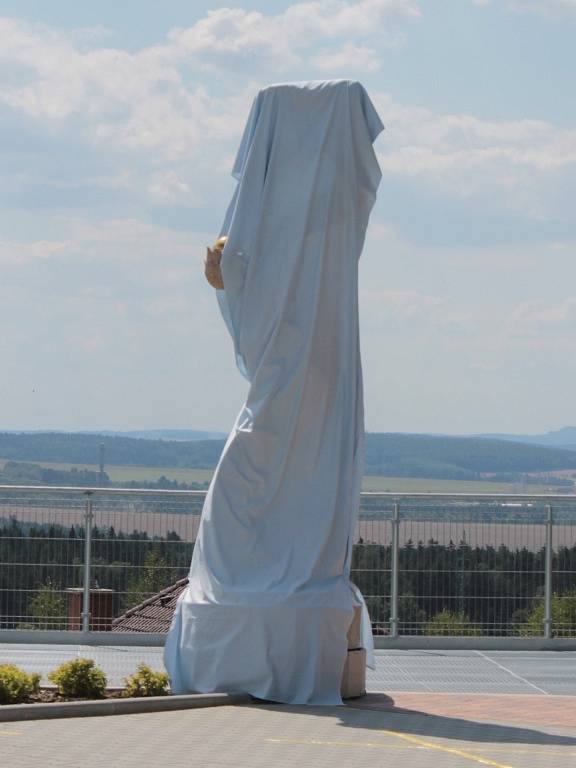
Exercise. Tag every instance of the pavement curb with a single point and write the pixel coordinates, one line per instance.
(42, 711)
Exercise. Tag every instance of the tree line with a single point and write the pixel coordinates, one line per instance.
(389, 454)
(443, 588)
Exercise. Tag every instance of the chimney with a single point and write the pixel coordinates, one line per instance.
(101, 609)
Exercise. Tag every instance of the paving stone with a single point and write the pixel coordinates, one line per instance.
(414, 730)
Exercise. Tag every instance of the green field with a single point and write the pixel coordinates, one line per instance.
(441, 485)
(124, 473)
(119, 474)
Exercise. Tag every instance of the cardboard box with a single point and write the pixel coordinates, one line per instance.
(354, 629)
(354, 676)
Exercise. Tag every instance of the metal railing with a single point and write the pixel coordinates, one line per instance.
(429, 564)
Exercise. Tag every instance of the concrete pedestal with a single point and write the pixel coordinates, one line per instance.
(354, 675)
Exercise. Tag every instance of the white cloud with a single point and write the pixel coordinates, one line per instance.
(468, 156)
(412, 310)
(544, 7)
(152, 106)
(13, 254)
(152, 100)
(170, 305)
(168, 187)
(424, 141)
(130, 241)
(108, 286)
(161, 187)
(136, 102)
(349, 58)
(126, 305)
(125, 242)
(284, 37)
(173, 136)
(537, 318)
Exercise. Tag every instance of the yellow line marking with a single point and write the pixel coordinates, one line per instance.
(325, 743)
(10, 733)
(420, 743)
(525, 751)
(451, 750)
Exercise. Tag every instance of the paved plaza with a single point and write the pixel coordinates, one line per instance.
(412, 731)
(424, 709)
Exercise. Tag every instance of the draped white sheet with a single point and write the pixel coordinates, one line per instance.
(269, 600)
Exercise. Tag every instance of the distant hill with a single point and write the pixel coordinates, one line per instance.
(560, 438)
(392, 454)
(83, 448)
(414, 455)
(146, 434)
(165, 434)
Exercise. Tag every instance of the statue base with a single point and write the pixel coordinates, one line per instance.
(354, 674)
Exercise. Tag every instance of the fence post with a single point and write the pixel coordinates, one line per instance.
(394, 571)
(88, 518)
(548, 574)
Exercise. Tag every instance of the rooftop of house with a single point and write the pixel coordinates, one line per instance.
(151, 615)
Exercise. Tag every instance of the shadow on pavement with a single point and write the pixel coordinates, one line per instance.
(383, 715)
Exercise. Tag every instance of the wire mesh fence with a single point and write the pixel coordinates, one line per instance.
(62, 550)
(563, 577)
(427, 564)
(41, 550)
(468, 566)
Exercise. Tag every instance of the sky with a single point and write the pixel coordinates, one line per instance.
(119, 123)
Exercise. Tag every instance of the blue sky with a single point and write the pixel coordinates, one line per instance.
(118, 127)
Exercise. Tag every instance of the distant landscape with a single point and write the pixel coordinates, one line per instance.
(560, 438)
(393, 461)
(485, 563)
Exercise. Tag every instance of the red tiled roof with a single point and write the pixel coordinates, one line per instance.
(152, 615)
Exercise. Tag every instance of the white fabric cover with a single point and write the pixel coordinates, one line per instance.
(269, 600)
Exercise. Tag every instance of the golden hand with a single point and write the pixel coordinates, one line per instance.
(212, 269)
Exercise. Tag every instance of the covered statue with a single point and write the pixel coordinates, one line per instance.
(269, 599)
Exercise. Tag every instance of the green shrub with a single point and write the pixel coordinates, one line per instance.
(48, 607)
(79, 677)
(563, 616)
(452, 624)
(146, 682)
(16, 685)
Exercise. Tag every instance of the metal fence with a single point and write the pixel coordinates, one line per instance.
(428, 564)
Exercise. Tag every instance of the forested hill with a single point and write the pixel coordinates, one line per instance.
(83, 448)
(395, 454)
(565, 437)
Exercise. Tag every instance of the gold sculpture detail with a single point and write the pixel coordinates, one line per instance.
(212, 263)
